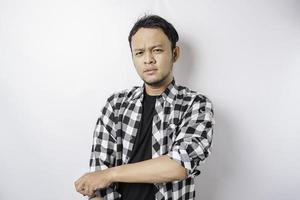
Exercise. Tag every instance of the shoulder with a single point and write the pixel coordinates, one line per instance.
(117, 98)
(192, 98)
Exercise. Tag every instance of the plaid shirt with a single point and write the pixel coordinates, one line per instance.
(182, 129)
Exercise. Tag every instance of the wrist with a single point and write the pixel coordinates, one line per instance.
(113, 174)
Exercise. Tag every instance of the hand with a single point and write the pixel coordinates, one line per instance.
(89, 182)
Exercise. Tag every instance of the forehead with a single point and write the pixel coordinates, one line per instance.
(148, 37)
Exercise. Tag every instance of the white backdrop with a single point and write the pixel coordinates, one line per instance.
(61, 59)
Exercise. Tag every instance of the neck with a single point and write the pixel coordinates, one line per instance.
(155, 90)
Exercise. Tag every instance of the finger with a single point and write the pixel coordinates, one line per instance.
(80, 187)
(93, 195)
(82, 191)
(86, 190)
(76, 187)
(91, 191)
(78, 183)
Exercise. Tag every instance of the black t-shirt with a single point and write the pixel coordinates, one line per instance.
(142, 150)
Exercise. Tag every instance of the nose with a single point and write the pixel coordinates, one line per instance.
(149, 59)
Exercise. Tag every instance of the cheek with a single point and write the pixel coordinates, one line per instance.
(165, 58)
(138, 66)
(165, 61)
(137, 61)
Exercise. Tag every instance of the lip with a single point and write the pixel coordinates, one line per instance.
(150, 70)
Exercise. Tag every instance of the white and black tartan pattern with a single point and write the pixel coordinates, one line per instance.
(182, 128)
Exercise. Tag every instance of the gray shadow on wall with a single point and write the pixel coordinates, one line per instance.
(184, 66)
(220, 166)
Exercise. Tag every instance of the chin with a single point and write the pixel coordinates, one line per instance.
(153, 81)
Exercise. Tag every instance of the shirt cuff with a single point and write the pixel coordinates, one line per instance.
(180, 155)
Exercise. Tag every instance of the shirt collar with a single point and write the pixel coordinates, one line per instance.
(168, 95)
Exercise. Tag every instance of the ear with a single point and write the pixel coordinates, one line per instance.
(176, 53)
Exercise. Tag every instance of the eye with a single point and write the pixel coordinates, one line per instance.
(158, 50)
(138, 53)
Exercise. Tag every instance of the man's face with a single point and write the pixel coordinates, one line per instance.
(152, 56)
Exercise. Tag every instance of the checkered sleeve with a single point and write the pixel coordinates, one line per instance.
(194, 136)
(104, 147)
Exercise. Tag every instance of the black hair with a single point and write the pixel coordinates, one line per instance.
(155, 21)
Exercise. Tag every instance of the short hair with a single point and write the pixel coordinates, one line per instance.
(155, 21)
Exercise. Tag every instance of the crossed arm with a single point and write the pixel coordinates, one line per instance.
(156, 170)
(191, 145)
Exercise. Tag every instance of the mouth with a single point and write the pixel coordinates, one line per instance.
(150, 70)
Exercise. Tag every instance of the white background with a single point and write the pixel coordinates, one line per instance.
(61, 59)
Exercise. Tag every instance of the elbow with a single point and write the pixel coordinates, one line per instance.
(181, 173)
(178, 171)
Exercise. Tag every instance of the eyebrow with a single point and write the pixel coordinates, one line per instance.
(140, 49)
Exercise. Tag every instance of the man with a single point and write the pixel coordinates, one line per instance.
(149, 140)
